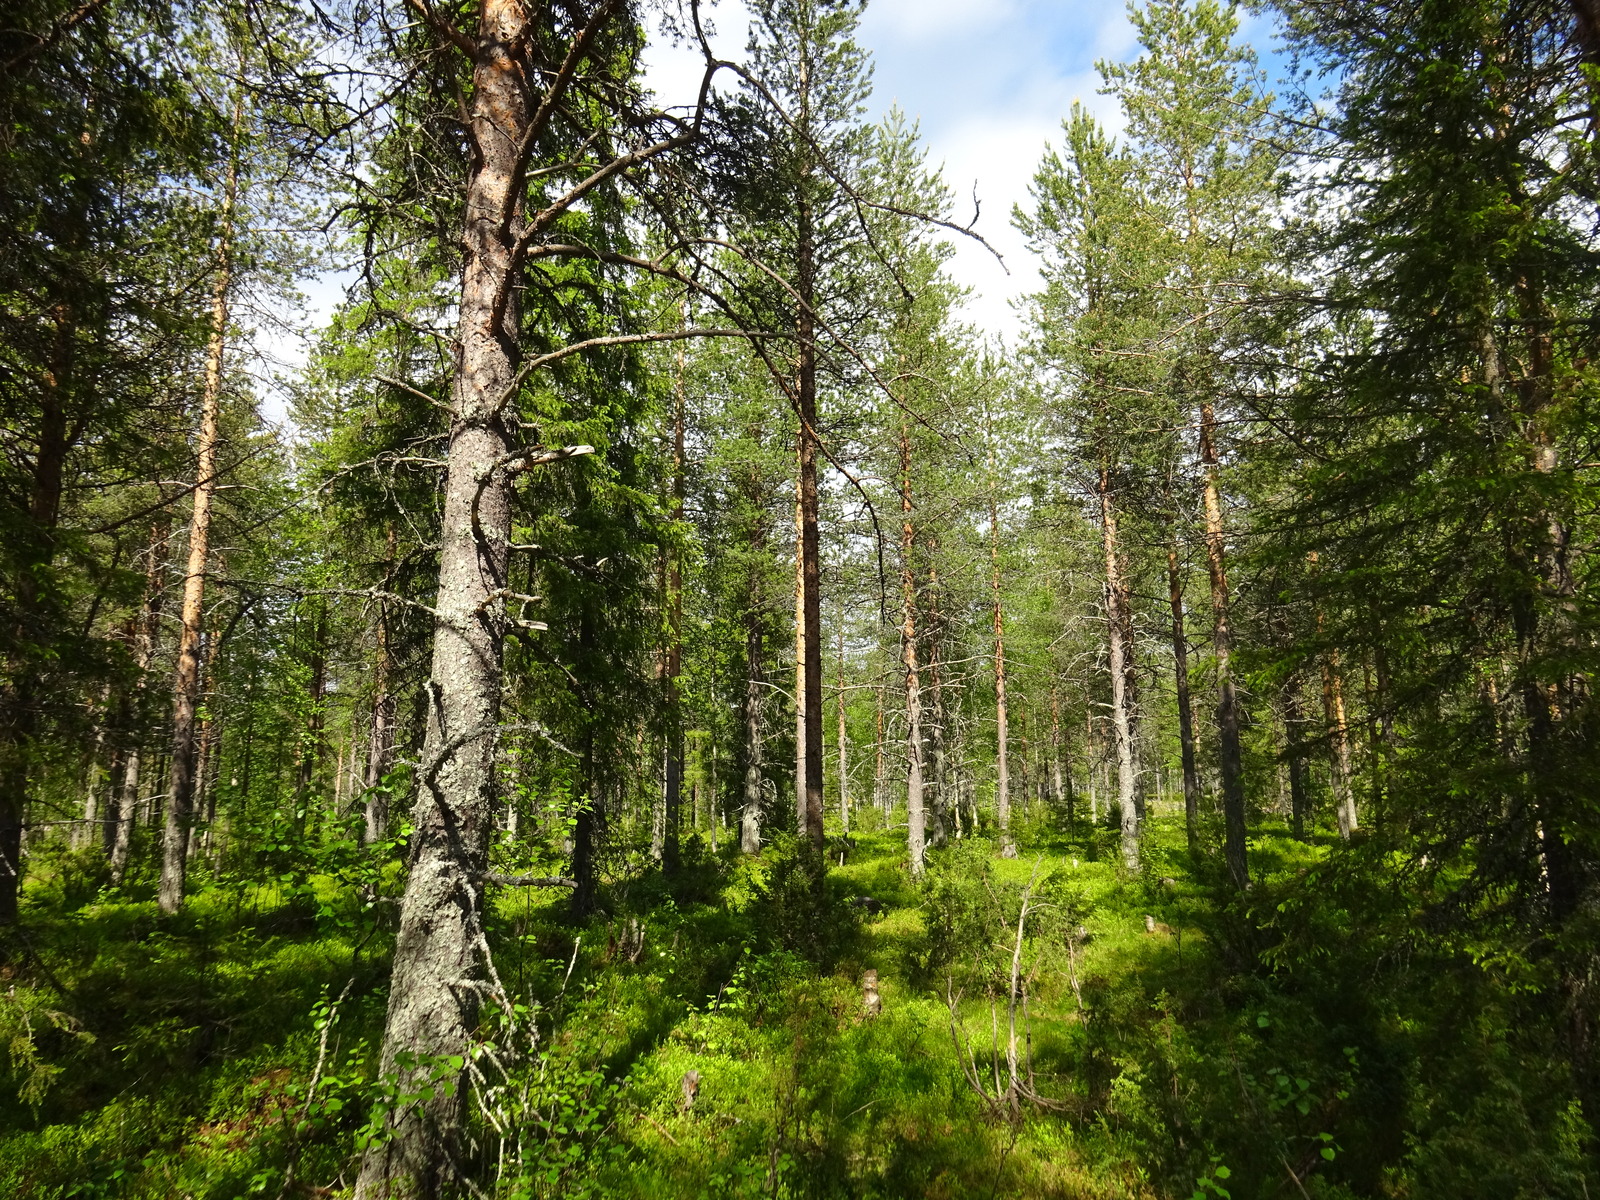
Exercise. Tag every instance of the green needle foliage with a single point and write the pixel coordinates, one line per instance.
(1206, 678)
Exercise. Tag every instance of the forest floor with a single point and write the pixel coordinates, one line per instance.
(229, 1051)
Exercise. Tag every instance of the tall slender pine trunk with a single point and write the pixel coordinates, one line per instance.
(941, 809)
(844, 743)
(1002, 770)
(1117, 650)
(186, 677)
(671, 697)
(380, 733)
(916, 813)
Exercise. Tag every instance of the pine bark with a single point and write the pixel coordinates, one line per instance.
(438, 958)
(186, 677)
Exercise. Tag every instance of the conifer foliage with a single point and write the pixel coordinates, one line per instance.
(672, 708)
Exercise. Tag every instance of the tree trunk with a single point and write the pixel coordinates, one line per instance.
(800, 690)
(916, 816)
(941, 807)
(1002, 782)
(1338, 744)
(672, 699)
(750, 814)
(380, 736)
(844, 743)
(1180, 671)
(1121, 718)
(312, 746)
(810, 547)
(133, 707)
(186, 678)
(1230, 757)
(1294, 735)
(94, 804)
(19, 694)
(438, 956)
(880, 797)
(1058, 793)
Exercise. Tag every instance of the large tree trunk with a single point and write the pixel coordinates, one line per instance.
(1121, 716)
(186, 678)
(1180, 671)
(438, 957)
(916, 815)
(1230, 758)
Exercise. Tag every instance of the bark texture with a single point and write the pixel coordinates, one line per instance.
(186, 676)
(438, 967)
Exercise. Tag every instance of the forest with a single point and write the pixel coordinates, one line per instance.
(675, 708)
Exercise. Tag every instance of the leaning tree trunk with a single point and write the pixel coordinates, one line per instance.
(186, 678)
(1121, 718)
(438, 956)
(916, 815)
(1180, 672)
(1230, 757)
